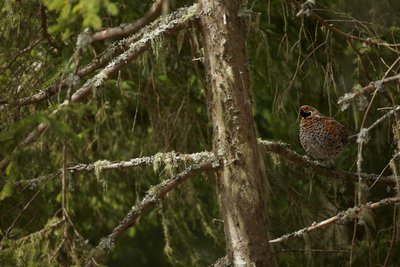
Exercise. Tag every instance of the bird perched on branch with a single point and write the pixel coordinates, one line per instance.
(322, 137)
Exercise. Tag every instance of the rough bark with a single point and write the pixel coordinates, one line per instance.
(240, 181)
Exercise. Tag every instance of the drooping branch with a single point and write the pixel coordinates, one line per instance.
(169, 158)
(126, 29)
(344, 216)
(153, 196)
(284, 151)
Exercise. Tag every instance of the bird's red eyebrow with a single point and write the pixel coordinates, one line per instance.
(305, 108)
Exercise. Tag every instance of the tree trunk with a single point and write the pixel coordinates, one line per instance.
(240, 181)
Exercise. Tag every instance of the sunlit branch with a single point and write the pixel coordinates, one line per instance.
(150, 201)
(284, 151)
(344, 216)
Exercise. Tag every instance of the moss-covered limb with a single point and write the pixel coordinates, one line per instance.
(169, 160)
(342, 217)
(153, 196)
(284, 151)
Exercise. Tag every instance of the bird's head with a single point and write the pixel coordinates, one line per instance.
(307, 111)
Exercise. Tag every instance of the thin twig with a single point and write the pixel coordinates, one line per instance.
(64, 181)
(16, 219)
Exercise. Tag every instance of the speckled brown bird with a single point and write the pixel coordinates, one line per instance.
(321, 137)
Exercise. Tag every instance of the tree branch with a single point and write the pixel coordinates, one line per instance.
(173, 158)
(126, 29)
(344, 216)
(153, 196)
(370, 88)
(283, 150)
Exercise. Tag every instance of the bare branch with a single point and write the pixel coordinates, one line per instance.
(153, 196)
(343, 216)
(126, 29)
(283, 150)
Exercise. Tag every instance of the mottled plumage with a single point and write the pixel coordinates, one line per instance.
(321, 137)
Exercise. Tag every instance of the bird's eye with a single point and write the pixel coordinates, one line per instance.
(305, 113)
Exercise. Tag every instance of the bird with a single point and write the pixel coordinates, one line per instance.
(323, 138)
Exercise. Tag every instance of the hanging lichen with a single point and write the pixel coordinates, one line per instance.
(98, 165)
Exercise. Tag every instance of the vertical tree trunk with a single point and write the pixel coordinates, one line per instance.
(240, 182)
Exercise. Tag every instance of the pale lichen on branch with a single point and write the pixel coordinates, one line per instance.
(343, 216)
